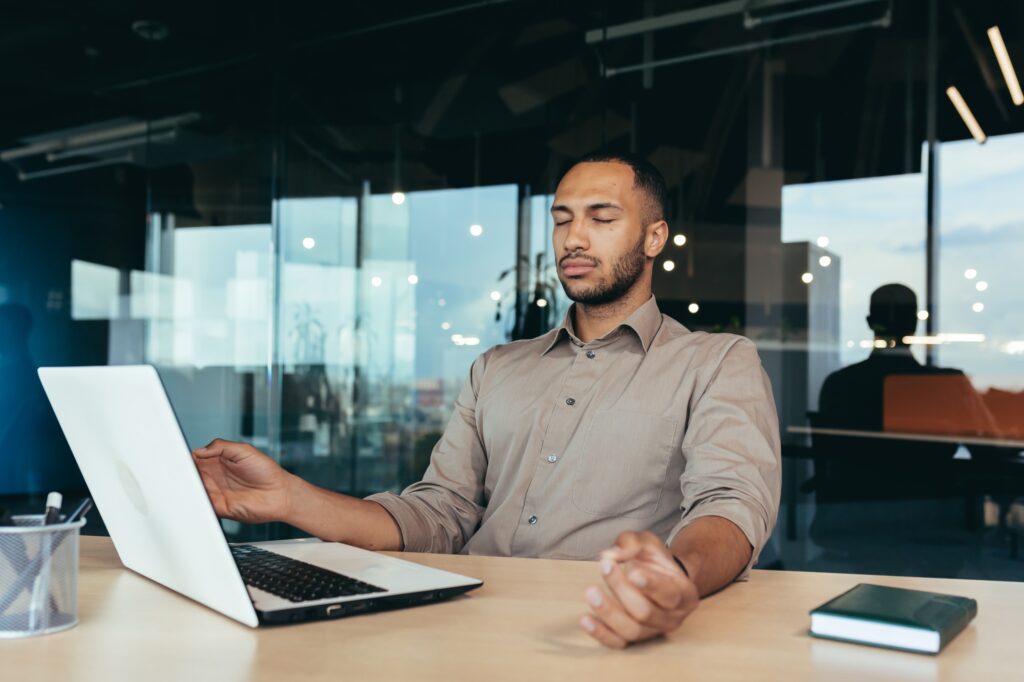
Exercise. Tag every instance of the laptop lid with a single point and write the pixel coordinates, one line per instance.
(134, 458)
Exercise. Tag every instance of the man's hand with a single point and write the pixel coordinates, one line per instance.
(646, 595)
(242, 482)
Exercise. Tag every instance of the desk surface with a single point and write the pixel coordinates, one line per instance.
(521, 625)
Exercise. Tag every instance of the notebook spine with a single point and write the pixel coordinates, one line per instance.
(967, 614)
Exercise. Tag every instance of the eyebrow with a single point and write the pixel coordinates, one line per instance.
(591, 207)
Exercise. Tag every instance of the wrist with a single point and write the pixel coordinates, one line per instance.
(293, 493)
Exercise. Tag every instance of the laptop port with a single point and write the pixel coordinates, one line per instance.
(335, 610)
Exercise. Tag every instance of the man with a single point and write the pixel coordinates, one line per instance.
(620, 428)
(889, 506)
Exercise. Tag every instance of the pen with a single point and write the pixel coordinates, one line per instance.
(8, 597)
(80, 511)
(39, 616)
(52, 514)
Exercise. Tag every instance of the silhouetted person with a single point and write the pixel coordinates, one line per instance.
(34, 456)
(874, 493)
(853, 397)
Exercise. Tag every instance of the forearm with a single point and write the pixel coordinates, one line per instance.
(334, 517)
(714, 551)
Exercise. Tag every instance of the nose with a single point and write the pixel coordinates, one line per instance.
(576, 238)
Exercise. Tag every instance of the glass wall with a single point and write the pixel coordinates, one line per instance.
(313, 221)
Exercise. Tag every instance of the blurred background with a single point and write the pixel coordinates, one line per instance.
(313, 217)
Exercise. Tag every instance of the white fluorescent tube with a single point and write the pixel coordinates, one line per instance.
(1005, 65)
(965, 114)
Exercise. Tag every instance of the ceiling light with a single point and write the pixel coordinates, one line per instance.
(398, 198)
(1005, 65)
(679, 239)
(476, 230)
(441, 303)
(965, 113)
(825, 261)
(922, 315)
(823, 241)
(981, 286)
(978, 307)
(693, 308)
(970, 273)
(807, 278)
(308, 243)
(413, 279)
(542, 303)
(495, 295)
(669, 265)
(376, 281)
(446, 326)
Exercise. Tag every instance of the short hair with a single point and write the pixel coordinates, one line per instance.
(646, 178)
(893, 310)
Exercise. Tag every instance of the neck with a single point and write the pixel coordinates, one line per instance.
(594, 321)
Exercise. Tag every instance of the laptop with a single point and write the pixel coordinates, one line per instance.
(129, 445)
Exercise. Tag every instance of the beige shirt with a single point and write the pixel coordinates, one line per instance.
(556, 446)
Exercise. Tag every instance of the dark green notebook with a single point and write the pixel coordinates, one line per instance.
(893, 617)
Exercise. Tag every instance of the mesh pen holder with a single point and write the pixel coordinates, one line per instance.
(38, 577)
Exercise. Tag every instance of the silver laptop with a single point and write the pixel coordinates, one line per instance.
(130, 448)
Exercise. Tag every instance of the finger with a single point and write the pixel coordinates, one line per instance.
(609, 611)
(208, 452)
(627, 546)
(636, 604)
(225, 449)
(665, 591)
(599, 631)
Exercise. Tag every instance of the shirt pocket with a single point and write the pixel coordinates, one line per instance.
(621, 470)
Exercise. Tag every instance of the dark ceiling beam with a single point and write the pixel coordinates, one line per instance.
(312, 42)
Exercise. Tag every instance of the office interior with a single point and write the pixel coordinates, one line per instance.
(311, 219)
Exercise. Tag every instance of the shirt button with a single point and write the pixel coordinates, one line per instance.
(570, 401)
(532, 520)
(552, 458)
(591, 354)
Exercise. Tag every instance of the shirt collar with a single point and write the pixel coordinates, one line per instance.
(645, 322)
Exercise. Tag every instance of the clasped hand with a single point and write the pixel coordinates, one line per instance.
(646, 594)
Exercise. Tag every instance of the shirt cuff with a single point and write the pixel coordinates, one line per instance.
(739, 513)
(416, 535)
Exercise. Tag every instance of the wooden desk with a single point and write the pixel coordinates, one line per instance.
(521, 625)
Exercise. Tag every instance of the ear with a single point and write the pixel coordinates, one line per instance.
(657, 237)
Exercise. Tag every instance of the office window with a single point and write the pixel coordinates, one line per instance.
(314, 243)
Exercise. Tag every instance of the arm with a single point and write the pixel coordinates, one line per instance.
(441, 512)
(714, 550)
(437, 514)
(649, 593)
(730, 500)
(246, 485)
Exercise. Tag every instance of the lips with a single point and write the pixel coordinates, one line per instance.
(576, 267)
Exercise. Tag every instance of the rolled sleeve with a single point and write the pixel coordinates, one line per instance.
(441, 512)
(732, 451)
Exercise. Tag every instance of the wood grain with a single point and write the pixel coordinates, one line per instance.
(521, 625)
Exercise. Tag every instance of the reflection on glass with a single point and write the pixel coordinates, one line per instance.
(95, 291)
(379, 321)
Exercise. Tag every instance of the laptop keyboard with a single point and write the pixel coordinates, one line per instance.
(292, 579)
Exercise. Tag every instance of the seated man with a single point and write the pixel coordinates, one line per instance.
(882, 504)
(620, 429)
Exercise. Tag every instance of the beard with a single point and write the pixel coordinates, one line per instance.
(625, 273)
